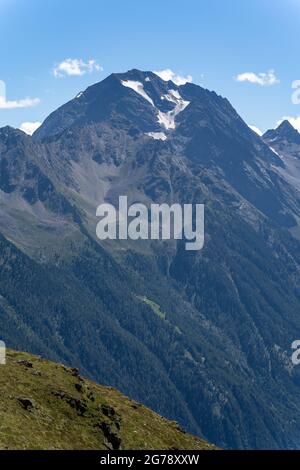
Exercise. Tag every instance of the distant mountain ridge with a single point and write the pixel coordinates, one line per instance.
(213, 329)
(285, 131)
(285, 141)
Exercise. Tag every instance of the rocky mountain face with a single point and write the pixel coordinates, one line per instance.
(284, 134)
(202, 337)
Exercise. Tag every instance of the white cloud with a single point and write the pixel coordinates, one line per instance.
(295, 121)
(25, 103)
(29, 127)
(13, 104)
(76, 67)
(168, 74)
(262, 79)
(257, 130)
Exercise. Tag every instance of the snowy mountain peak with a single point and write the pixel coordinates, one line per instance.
(138, 103)
(167, 101)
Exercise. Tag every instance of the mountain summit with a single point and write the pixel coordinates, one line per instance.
(142, 98)
(285, 131)
(285, 141)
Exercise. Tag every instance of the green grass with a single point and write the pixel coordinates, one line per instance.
(67, 412)
(154, 306)
(157, 311)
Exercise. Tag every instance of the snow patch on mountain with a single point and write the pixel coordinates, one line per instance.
(174, 94)
(165, 119)
(168, 119)
(275, 151)
(157, 135)
(138, 87)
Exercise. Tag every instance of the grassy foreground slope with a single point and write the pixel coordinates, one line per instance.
(44, 405)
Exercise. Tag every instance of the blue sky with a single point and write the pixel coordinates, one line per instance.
(214, 41)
